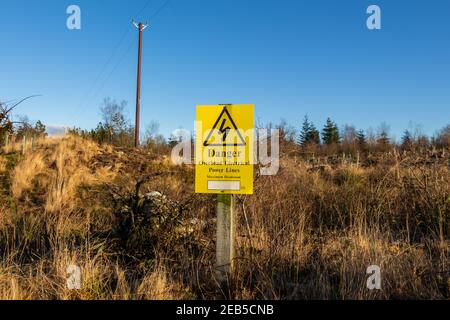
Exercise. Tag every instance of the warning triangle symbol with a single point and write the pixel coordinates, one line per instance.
(224, 132)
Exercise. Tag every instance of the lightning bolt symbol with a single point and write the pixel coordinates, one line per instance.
(224, 131)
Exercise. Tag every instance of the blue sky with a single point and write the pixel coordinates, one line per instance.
(289, 58)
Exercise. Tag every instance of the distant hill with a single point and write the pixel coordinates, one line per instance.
(56, 130)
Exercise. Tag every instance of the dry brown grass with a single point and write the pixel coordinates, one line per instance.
(100, 279)
(25, 172)
(316, 232)
(3, 163)
(59, 166)
(307, 233)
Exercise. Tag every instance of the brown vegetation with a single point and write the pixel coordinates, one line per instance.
(309, 232)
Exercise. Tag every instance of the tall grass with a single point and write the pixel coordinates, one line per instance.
(309, 232)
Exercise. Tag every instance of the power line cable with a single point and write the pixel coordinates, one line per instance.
(161, 8)
(113, 53)
(143, 9)
(114, 69)
(109, 59)
(153, 16)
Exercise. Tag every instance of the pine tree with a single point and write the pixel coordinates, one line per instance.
(314, 135)
(305, 131)
(361, 139)
(383, 140)
(309, 133)
(330, 133)
(100, 134)
(407, 140)
(40, 129)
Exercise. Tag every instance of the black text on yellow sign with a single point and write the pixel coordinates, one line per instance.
(224, 149)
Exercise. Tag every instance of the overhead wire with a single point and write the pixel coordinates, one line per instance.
(161, 8)
(153, 16)
(112, 55)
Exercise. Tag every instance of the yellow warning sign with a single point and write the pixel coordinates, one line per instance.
(224, 149)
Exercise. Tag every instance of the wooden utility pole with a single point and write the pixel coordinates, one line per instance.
(226, 231)
(141, 27)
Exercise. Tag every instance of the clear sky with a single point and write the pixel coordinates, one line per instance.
(289, 58)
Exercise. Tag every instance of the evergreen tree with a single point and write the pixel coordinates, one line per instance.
(100, 134)
(407, 140)
(361, 139)
(304, 132)
(40, 129)
(330, 133)
(308, 133)
(314, 135)
(383, 140)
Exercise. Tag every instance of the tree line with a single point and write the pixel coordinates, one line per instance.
(115, 129)
(350, 139)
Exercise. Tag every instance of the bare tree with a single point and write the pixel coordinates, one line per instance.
(442, 138)
(6, 124)
(113, 115)
(349, 139)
